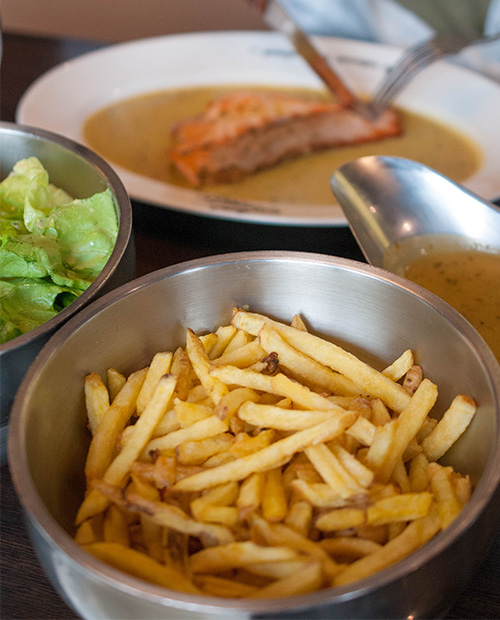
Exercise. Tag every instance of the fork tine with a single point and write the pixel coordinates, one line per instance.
(414, 60)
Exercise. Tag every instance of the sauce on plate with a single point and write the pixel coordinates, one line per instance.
(135, 134)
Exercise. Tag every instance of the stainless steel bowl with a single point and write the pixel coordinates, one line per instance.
(366, 309)
(81, 173)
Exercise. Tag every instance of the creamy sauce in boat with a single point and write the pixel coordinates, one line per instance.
(135, 134)
(467, 278)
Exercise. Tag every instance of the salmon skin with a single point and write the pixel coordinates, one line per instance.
(240, 133)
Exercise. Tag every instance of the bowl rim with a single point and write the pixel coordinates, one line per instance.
(38, 514)
(124, 211)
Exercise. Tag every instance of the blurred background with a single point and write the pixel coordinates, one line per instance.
(124, 20)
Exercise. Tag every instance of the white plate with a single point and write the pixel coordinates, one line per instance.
(63, 98)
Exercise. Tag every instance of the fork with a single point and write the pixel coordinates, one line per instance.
(414, 60)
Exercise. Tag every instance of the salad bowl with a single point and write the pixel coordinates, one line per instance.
(81, 174)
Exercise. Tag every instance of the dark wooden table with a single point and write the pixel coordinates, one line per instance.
(163, 237)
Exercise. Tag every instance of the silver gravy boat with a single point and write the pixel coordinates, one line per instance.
(399, 209)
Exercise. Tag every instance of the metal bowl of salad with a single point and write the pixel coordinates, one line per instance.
(66, 238)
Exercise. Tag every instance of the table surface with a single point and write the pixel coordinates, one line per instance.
(163, 237)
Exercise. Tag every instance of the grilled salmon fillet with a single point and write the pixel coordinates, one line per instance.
(240, 133)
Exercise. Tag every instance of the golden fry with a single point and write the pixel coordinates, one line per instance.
(296, 465)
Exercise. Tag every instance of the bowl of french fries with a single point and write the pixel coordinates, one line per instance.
(66, 223)
(262, 434)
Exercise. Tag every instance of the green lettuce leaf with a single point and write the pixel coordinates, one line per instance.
(45, 235)
(26, 303)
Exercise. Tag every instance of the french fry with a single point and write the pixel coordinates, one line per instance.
(303, 367)
(182, 369)
(198, 451)
(277, 570)
(224, 333)
(332, 471)
(404, 507)
(250, 493)
(299, 517)
(274, 502)
(115, 527)
(189, 413)
(243, 446)
(407, 425)
(278, 535)
(299, 393)
(168, 515)
(231, 402)
(160, 365)
(276, 454)
(331, 355)
(201, 365)
(231, 375)
(102, 446)
(296, 465)
(237, 555)
(447, 502)
(298, 323)
(85, 534)
(222, 495)
(340, 519)
(227, 588)
(418, 474)
(319, 494)
(96, 400)
(453, 423)
(115, 381)
(274, 416)
(207, 427)
(243, 356)
(413, 379)
(399, 366)
(411, 538)
(142, 566)
(305, 579)
(363, 430)
(349, 548)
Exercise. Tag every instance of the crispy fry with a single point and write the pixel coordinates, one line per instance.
(412, 537)
(274, 503)
(407, 425)
(102, 446)
(274, 416)
(96, 400)
(201, 365)
(160, 365)
(303, 367)
(115, 381)
(405, 507)
(208, 427)
(198, 451)
(236, 555)
(305, 579)
(399, 366)
(274, 455)
(142, 566)
(243, 356)
(250, 494)
(329, 354)
(453, 423)
(296, 465)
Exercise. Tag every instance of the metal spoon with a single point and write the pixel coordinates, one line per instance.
(393, 201)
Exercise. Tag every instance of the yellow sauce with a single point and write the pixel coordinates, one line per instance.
(468, 280)
(135, 134)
